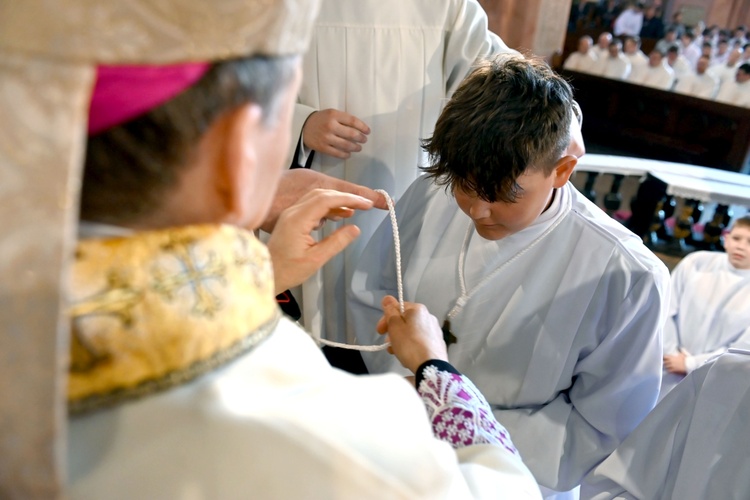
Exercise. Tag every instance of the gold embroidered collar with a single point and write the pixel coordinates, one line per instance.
(162, 307)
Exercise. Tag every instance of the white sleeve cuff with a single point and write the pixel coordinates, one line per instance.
(304, 151)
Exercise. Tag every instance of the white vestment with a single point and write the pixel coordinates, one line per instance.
(692, 446)
(393, 64)
(658, 77)
(637, 59)
(565, 342)
(617, 68)
(262, 427)
(704, 86)
(709, 311)
(264, 417)
(737, 94)
(601, 52)
(723, 72)
(583, 63)
(681, 68)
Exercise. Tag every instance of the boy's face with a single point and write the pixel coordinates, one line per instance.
(737, 245)
(495, 221)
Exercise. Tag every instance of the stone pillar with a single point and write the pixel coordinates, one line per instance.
(535, 26)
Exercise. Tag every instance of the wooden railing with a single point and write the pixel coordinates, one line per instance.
(651, 123)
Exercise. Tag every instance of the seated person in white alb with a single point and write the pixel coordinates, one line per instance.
(615, 65)
(632, 50)
(710, 306)
(602, 44)
(727, 71)
(584, 59)
(693, 445)
(656, 73)
(680, 66)
(699, 84)
(554, 309)
(737, 91)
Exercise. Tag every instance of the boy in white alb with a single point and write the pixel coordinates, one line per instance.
(556, 309)
(710, 308)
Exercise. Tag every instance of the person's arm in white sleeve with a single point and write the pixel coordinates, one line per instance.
(742, 340)
(467, 39)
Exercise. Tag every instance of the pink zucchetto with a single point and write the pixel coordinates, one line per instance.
(122, 93)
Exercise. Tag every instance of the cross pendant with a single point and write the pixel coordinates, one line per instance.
(448, 336)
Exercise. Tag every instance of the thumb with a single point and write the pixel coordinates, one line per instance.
(334, 243)
(388, 300)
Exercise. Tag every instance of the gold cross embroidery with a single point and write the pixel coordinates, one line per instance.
(193, 275)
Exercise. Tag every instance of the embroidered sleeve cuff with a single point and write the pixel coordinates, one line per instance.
(437, 363)
(458, 412)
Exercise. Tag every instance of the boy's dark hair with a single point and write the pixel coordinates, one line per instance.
(130, 167)
(742, 222)
(509, 115)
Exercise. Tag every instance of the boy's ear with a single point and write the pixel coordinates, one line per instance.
(239, 162)
(564, 169)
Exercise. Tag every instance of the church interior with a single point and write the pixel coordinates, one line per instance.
(627, 120)
(669, 164)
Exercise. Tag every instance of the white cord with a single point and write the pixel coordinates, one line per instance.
(397, 246)
(466, 295)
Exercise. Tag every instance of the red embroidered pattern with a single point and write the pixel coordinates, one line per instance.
(459, 413)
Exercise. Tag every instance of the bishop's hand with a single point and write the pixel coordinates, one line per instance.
(298, 182)
(295, 254)
(415, 336)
